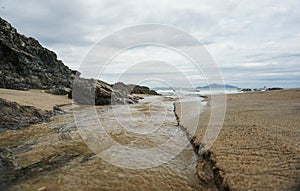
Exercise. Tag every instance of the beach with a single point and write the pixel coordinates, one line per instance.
(36, 98)
(258, 147)
(100, 103)
(134, 147)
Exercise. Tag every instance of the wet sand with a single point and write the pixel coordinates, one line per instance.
(59, 155)
(258, 147)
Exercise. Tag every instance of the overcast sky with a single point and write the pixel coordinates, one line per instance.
(255, 43)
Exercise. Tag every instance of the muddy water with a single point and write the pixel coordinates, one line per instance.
(137, 147)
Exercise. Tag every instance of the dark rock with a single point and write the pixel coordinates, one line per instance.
(7, 160)
(58, 111)
(142, 90)
(8, 165)
(14, 116)
(91, 92)
(97, 92)
(246, 90)
(25, 64)
(121, 94)
(272, 89)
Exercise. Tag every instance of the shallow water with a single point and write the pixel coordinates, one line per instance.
(138, 147)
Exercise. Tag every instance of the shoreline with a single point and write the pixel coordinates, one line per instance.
(258, 144)
(257, 147)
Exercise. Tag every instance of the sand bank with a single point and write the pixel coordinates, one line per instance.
(258, 147)
(35, 98)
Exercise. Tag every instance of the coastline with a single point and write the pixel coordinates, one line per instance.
(258, 145)
(257, 148)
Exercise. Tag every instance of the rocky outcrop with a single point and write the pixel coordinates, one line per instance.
(91, 91)
(14, 116)
(25, 64)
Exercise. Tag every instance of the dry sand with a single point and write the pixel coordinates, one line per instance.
(37, 98)
(258, 147)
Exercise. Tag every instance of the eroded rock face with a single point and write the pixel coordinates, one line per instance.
(25, 64)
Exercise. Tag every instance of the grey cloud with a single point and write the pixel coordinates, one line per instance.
(233, 31)
(69, 22)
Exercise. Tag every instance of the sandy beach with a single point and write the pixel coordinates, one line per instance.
(55, 155)
(258, 147)
(36, 98)
(132, 95)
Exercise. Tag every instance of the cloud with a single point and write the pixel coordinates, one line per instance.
(244, 37)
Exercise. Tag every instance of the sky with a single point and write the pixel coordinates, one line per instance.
(254, 43)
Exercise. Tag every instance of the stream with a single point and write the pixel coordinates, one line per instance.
(137, 147)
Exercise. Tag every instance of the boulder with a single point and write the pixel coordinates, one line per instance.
(97, 92)
(91, 92)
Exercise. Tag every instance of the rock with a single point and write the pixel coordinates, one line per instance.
(7, 160)
(272, 89)
(121, 93)
(14, 116)
(25, 64)
(97, 92)
(91, 92)
(246, 90)
(8, 165)
(142, 90)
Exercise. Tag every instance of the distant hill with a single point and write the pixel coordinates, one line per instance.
(215, 86)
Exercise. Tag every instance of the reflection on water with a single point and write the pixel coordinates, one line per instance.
(138, 147)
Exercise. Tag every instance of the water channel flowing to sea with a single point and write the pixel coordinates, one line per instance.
(137, 147)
